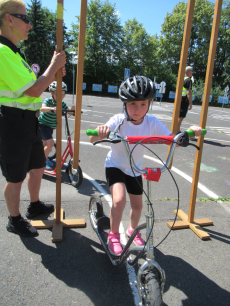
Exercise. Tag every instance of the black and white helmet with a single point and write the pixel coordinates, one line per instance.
(137, 88)
(53, 86)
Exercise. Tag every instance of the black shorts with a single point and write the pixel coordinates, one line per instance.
(184, 107)
(134, 185)
(46, 132)
(21, 146)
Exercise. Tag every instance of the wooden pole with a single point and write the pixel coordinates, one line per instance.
(182, 66)
(188, 220)
(79, 82)
(204, 111)
(59, 41)
(58, 223)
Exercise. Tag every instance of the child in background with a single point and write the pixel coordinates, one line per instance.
(48, 119)
(136, 93)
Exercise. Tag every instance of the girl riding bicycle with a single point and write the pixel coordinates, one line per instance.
(48, 119)
(136, 93)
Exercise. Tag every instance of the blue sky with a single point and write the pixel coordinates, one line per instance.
(150, 13)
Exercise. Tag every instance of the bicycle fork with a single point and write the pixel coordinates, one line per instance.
(150, 262)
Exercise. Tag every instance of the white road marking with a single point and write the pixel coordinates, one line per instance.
(184, 175)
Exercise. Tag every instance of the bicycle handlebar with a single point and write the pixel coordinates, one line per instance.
(113, 137)
(191, 133)
(68, 110)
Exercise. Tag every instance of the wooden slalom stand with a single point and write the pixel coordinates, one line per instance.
(188, 220)
(59, 222)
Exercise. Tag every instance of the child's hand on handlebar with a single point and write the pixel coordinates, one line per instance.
(103, 131)
(196, 129)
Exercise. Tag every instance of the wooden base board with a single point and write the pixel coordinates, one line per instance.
(57, 232)
(195, 226)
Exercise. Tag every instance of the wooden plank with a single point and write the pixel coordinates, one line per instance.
(199, 231)
(182, 215)
(79, 82)
(178, 225)
(203, 222)
(205, 104)
(74, 223)
(43, 223)
(57, 233)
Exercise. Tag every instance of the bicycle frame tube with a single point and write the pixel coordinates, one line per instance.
(149, 224)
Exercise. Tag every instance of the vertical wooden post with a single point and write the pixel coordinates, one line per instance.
(79, 82)
(59, 41)
(204, 111)
(58, 223)
(183, 63)
(182, 66)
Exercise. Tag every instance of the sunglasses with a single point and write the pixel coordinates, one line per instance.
(24, 18)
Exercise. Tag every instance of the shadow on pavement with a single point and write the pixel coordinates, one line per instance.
(75, 261)
(213, 143)
(76, 264)
(218, 236)
(199, 289)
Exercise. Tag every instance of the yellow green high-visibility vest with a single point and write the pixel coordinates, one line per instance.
(184, 90)
(16, 76)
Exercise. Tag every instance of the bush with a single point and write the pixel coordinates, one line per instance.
(216, 91)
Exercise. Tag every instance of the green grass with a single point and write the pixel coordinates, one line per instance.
(214, 200)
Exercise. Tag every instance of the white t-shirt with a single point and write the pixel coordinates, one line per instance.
(117, 156)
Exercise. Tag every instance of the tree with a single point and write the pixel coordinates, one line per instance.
(103, 42)
(222, 61)
(40, 46)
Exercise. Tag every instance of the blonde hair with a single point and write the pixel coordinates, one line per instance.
(9, 7)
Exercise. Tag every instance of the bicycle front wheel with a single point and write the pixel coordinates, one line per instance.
(153, 296)
(75, 175)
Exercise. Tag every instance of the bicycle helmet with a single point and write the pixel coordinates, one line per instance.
(53, 86)
(137, 88)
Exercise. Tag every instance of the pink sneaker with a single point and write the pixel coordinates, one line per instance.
(137, 240)
(114, 244)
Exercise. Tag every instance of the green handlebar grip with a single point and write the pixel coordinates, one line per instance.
(192, 134)
(92, 132)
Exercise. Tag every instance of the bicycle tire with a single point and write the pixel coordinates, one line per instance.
(52, 154)
(153, 296)
(75, 176)
(95, 209)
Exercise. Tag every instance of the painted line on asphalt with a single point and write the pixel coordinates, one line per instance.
(179, 172)
(130, 270)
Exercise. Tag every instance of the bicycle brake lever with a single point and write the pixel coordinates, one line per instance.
(112, 139)
(184, 141)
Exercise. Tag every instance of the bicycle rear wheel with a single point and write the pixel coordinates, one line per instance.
(75, 175)
(153, 296)
(52, 154)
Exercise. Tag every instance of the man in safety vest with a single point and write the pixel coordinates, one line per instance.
(187, 92)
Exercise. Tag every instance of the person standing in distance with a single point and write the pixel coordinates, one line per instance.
(21, 147)
(186, 100)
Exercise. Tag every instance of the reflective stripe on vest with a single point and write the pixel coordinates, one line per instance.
(30, 106)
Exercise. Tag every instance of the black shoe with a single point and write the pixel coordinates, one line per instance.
(35, 209)
(21, 227)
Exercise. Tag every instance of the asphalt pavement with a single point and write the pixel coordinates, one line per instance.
(76, 271)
